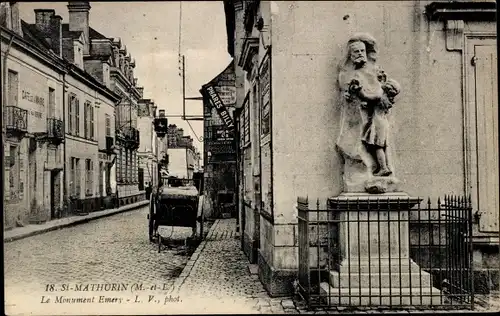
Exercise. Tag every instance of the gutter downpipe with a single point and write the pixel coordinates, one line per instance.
(4, 102)
(65, 166)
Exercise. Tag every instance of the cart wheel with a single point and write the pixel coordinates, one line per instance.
(151, 217)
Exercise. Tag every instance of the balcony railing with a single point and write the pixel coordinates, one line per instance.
(55, 129)
(130, 136)
(16, 119)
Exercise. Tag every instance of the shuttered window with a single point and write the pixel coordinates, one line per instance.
(486, 95)
(108, 125)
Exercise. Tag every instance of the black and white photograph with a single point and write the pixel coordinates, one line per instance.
(250, 157)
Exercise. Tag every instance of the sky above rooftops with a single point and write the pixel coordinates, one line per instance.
(150, 32)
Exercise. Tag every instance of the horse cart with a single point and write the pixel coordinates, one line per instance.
(175, 204)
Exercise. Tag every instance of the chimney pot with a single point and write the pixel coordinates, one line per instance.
(42, 19)
(56, 34)
(79, 20)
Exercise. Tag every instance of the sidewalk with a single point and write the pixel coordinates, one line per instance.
(217, 278)
(31, 230)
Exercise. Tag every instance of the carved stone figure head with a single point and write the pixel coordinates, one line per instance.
(357, 53)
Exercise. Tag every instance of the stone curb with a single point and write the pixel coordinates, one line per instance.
(192, 261)
(32, 230)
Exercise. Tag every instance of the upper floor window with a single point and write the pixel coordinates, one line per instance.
(74, 115)
(13, 86)
(108, 125)
(88, 120)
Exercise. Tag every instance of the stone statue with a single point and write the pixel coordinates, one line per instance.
(367, 97)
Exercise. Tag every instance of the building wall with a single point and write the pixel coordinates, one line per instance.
(77, 146)
(147, 149)
(177, 162)
(32, 200)
(103, 111)
(427, 117)
(428, 132)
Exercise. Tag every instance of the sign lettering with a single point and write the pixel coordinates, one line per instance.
(220, 107)
(36, 114)
(26, 95)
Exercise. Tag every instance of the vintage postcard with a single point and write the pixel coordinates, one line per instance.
(249, 157)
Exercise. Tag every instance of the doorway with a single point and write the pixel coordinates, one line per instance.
(55, 194)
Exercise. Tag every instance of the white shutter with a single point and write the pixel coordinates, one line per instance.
(487, 136)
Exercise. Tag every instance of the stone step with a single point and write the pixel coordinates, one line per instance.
(384, 279)
(381, 297)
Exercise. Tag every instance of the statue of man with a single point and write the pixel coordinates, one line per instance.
(368, 97)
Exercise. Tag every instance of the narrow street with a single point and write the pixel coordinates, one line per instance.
(110, 250)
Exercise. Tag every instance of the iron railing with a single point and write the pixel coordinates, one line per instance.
(129, 135)
(16, 119)
(386, 253)
(55, 129)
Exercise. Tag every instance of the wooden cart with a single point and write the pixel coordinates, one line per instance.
(176, 205)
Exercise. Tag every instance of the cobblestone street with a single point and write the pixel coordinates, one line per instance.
(218, 278)
(115, 249)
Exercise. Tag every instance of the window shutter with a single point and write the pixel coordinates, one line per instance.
(77, 117)
(70, 114)
(487, 137)
(108, 125)
(85, 120)
(91, 122)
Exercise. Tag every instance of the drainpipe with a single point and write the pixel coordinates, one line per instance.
(65, 168)
(4, 101)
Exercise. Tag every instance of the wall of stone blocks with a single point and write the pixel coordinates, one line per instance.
(427, 131)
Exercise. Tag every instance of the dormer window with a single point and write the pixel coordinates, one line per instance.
(78, 54)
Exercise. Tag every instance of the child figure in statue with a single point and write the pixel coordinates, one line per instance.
(375, 95)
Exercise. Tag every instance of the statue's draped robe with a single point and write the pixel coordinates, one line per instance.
(356, 115)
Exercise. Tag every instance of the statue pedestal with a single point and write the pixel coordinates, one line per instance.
(375, 267)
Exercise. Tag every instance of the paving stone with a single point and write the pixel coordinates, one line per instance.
(287, 304)
(113, 249)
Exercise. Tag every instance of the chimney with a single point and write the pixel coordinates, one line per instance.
(42, 20)
(79, 20)
(49, 25)
(15, 18)
(56, 34)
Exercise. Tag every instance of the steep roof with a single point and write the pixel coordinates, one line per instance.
(33, 35)
(66, 33)
(75, 34)
(94, 34)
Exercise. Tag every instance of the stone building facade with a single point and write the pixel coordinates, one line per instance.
(59, 166)
(108, 61)
(287, 54)
(183, 158)
(89, 110)
(32, 126)
(148, 148)
(219, 145)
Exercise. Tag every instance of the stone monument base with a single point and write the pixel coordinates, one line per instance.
(376, 268)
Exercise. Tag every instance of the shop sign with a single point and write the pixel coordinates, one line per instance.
(227, 94)
(216, 101)
(33, 98)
